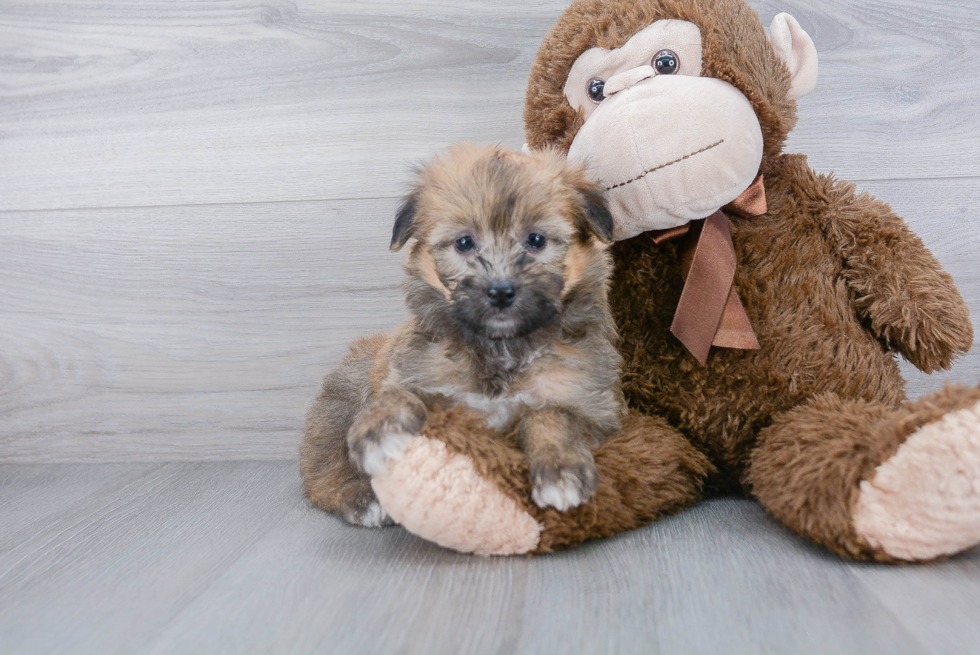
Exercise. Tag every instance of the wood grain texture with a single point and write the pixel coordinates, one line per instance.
(225, 558)
(944, 597)
(667, 589)
(105, 574)
(882, 109)
(131, 104)
(242, 101)
(32, 495)
(202, 332)
(720, 578)
(136, 332)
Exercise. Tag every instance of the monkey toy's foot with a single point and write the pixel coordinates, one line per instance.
(465, 487)
(924, 501)
(439, 495)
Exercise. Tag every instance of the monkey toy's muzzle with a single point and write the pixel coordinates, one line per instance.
(669, 149)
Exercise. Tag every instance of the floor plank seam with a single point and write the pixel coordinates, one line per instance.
(338, 199)
(243, 551)
(850, 568)
(65, 534)
(343, 199)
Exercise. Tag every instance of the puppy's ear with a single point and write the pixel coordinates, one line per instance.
(595, 212)
(405, 221)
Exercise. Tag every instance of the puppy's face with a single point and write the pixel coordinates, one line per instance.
(501, 239)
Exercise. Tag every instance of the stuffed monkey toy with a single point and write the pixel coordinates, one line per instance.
(759, 306)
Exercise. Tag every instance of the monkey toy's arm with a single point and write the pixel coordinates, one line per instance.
(900, 290)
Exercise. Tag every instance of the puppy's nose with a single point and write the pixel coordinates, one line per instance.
(501, 293)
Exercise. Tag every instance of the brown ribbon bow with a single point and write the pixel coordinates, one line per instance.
(709, 312)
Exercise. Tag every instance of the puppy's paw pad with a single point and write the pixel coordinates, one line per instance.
(564, 487)
(376, 454)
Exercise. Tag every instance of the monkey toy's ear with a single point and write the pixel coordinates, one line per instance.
(796, 49)
(404, 221)
(595, 212)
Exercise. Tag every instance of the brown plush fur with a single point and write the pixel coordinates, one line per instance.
(830, 445)
(832, 281)
(816, 275)
(646, 471)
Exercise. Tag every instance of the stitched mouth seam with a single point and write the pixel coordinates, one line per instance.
(670, 163)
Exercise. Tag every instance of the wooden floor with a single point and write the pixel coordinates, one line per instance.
(195, 204)
(227, 558)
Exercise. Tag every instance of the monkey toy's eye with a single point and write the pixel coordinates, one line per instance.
(465, 244)
(535, 241)
(594, 89)
(665, 62)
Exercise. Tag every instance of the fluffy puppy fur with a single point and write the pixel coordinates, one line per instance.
(508, 275)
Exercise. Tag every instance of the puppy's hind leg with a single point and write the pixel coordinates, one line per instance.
(330, 480)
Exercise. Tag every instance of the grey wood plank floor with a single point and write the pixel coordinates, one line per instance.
(227, 558)
(195, 197)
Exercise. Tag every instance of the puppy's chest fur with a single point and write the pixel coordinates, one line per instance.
(497, 382)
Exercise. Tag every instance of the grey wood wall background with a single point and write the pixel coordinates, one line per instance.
(195, 198)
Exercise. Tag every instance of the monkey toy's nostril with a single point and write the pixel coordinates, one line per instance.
(501, 294)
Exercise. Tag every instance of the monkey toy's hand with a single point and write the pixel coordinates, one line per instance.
(900, 290)
(383, 428)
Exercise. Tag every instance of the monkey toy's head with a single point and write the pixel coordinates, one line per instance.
(675, 106)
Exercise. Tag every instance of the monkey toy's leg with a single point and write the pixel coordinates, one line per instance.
(875, 482)
(331, 481)
(463, 487)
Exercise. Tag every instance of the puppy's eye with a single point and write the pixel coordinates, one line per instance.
(665, 62)
(594, 90)
(464, 244)
(535, 241)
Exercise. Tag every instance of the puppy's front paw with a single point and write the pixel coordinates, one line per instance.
(563, 486)
(382, 431)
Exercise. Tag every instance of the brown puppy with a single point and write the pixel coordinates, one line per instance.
(507, 285)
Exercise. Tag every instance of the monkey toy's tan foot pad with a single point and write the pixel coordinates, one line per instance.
(439, 495)
(924, 501)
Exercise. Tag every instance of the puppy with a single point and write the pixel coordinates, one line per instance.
(508, 274)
